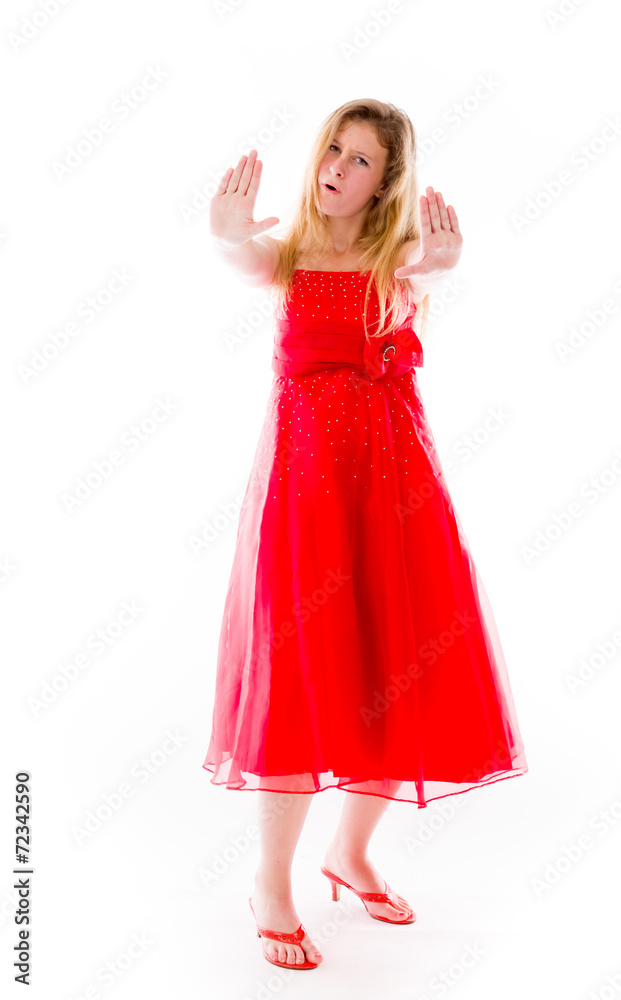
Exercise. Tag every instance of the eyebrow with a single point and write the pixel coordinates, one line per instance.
(356, 151)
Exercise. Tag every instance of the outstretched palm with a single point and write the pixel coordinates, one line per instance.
(231, 210)
(440, 237)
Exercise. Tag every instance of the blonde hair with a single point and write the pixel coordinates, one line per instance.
(393, 220)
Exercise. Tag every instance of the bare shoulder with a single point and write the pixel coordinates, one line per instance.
(407, 252)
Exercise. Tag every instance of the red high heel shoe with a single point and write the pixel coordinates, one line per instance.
(294, 938)
(376, 897)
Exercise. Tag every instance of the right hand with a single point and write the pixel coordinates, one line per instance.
(232, 206)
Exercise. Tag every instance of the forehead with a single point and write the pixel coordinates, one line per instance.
(359, 132)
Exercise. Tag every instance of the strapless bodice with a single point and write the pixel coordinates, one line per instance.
(323, 328)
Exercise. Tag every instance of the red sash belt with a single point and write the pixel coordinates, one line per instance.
(305, 348)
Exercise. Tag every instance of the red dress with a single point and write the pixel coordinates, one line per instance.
(357, 647)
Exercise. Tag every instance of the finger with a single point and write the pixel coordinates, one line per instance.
(237, 171)
(255, 180)
(237, 180)
(263, 225)
(434, 214)
(425, 221)
(444, 218)
(453, 217)
(408, 270)
(246, 177)
(224, 180)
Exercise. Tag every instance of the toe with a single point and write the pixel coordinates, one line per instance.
(390, 912)
(312, 952)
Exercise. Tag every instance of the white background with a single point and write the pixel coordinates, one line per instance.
(490, 872)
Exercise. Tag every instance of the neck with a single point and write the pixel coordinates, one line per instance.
(345, 234)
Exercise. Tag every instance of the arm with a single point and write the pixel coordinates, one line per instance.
(239, 240)
(254, 261)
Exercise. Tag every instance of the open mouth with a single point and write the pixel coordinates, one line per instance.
(330, 187)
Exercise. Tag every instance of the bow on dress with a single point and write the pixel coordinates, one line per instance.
(395, 355)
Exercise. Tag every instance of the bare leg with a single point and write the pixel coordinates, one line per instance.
(346, 855)
(281, 818)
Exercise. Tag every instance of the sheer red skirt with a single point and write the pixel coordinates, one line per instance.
(358, 648)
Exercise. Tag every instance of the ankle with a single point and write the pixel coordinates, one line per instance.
(273, 882)
(347, 853)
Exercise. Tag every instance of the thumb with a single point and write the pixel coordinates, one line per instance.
(264, 224)
(409, 269)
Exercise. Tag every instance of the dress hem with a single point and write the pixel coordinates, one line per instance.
(514, 773)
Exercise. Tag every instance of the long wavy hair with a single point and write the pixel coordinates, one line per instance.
(393, 220)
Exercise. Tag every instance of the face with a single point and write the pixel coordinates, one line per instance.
(354, 164)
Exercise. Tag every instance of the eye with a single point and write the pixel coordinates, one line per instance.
(334, 146)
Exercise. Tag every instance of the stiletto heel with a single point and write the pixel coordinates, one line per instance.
(376, 897)
(294, 938)
(336, 889)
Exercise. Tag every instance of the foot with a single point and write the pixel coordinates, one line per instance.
(362, 875)
(277, 912)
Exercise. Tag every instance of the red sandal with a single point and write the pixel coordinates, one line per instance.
(376, 897)
(295, 938)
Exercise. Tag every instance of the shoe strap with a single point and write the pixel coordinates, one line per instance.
(293, 938)
(378, 897)
(388, 896)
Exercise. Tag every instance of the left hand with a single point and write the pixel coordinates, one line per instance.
(440, 237)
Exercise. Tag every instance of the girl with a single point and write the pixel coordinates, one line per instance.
(357, 647)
